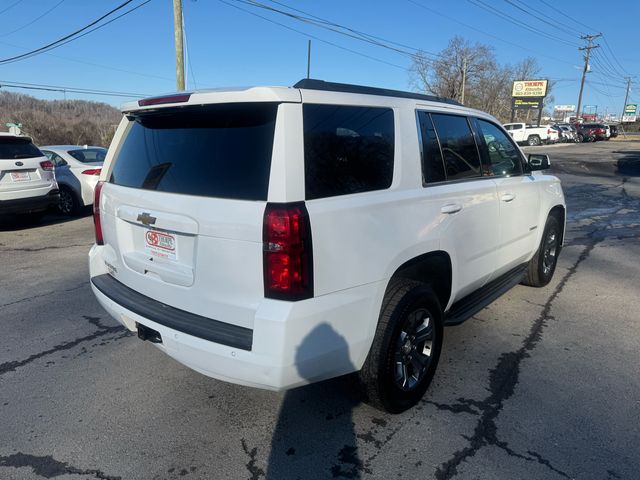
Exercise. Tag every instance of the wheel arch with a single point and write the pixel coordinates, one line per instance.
(433, 268)
(559, 211)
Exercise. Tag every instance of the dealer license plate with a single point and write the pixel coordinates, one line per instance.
(20, 176)
(161, 244)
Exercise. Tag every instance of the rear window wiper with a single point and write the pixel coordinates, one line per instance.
(24, 155)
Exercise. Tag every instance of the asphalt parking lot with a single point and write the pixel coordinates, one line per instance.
(542, 384)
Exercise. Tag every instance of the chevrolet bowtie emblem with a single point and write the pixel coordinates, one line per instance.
(146, 218)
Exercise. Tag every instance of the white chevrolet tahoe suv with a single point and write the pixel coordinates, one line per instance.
(274, 237)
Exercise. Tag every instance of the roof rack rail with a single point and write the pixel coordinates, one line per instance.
(313, 84)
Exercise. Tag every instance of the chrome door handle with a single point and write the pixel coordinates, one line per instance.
(451, 208)
(507, 197)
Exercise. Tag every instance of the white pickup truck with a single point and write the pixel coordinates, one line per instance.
(530, 134)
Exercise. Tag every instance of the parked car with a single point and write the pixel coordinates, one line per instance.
(586, 132)
(27, 183)
(599, 131)
(77, 169)
(567, 133)
(530, 134)
(275, 237)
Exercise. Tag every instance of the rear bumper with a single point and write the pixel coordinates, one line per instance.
(290, 344)
(30, 204)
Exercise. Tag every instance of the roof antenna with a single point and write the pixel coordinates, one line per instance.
(308, 58)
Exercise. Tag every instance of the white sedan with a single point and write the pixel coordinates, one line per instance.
(77, 169)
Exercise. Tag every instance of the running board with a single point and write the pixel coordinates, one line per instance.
(476, 301)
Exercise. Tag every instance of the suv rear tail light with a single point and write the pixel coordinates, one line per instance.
(92, 171)
(287, 252)
(96, 213)
(47, 165)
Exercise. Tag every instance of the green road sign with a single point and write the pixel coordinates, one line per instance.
(630, 108)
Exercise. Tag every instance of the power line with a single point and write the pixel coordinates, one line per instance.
(312, 36)
(335, 28)
(352, 30)
(543, 18)
(93, 64)
(508, 42)
(57, 88)
(11, 6)
(34, 20)
(505, 16)
(74, 35)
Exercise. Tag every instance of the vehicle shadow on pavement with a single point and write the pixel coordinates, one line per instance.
(629, 165)
(12, 223)
(315, 422)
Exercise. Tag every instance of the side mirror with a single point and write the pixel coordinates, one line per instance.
(538, 161)
(62, 162)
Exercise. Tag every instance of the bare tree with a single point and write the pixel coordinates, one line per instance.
(443, 76)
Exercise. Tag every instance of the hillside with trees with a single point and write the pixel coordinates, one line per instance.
(60, 122)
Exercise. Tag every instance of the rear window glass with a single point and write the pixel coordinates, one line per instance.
(432, 162)
(89, 155)
(219, 151)
(347, 149)
(12, 148)
(459, 150)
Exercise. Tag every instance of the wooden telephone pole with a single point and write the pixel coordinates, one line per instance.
(588, 48)
(177, 28)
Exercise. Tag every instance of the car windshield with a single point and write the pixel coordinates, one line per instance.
(89, 155)
(15, 147)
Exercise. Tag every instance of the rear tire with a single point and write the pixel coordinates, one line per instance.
(69, 204)
(533, 141)
(406, 347)
(543, 264)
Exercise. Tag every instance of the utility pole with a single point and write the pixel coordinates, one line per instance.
(588, 48)
(177, 28)
(464, 78)
(624, 106)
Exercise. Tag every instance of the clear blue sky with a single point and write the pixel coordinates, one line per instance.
(228, 46)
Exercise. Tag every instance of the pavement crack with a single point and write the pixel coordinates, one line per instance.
(32, 297)
(255, 471)
(40, 249)
(503, 379)
(48, 467)
(102, 330)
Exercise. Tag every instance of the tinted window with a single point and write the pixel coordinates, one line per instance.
(15, 147)
(432, 163)
(217, 151)
(458, 146)
(502, 156)
(88, 155)
(347, 149)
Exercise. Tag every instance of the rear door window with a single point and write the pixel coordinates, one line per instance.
(432, 163)
(15, 147)
(458, 146)
(219, 151)
(500, 154)
(347, 149)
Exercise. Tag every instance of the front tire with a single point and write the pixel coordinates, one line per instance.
(406, 347)
(543, 264)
